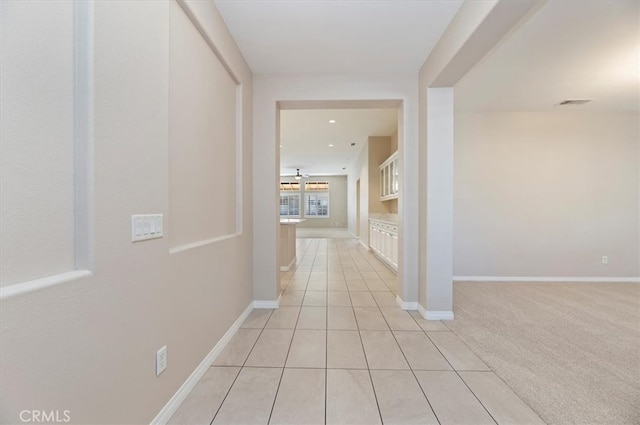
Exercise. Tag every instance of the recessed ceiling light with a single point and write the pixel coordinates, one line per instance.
(280, 145)
(332, 121)
(330, 146)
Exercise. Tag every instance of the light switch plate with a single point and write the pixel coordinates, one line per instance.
(146, 226)
(161, 360)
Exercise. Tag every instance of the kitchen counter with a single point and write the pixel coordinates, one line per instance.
(291, 220)
(288, 242)
(385, 218)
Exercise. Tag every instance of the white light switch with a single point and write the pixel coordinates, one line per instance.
(146, 226)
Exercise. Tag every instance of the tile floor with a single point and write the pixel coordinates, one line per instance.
(339, 350)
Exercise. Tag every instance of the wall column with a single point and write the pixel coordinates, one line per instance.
(439, 204)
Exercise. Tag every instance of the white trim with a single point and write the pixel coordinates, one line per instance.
(259, 304)
(193, 245)
(289, 194)
(544, 279)
(364, 245)
(172, 405)
(288, 267)
(439, 315)
(406, 305)
(239, 123)
(317, 194)
(45, 282)
(239, 158)
(435, 315)
(184, 5)
(83, 134)
(422, 311)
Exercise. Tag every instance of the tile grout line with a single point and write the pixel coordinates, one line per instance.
(326, 340)
(239, 370)
(366, 359)
(458, 374)
(284, 365)
(413, 371)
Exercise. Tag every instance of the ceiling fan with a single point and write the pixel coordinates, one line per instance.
(298, 176)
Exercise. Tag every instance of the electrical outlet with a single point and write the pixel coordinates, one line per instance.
(605, 259)
(161, 360)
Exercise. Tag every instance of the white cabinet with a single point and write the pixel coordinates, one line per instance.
(383, 240)
(389, 181)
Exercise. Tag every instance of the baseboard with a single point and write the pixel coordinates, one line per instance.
(439, 315)
(287, 268)
(545, 279)
(435, 315)
(385, 262)
(260, 304)
(170, 408)
(406, 305)
(354, 235)
(364, 245)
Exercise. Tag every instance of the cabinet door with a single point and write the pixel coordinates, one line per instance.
(394, 250)
(394, 185)
(386, 245)
(382, 182)
(374, 239)
(372, 242)
(392, 174)
(385, 171)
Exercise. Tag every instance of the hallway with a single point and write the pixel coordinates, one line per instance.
(340, 351)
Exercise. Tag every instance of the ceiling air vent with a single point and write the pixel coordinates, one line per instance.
(574, 102)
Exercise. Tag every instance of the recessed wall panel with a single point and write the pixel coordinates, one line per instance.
(37, 140)
(202, 138)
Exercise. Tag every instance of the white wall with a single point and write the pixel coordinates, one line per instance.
(36, 128)
(546, 194)
(359, 170)
(270, 89)
(88, 346)
(476, 28)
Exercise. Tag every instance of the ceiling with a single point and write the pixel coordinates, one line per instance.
(305, 136)
(568, 49)
(336, 36)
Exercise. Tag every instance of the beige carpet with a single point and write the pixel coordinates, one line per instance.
(571, 351)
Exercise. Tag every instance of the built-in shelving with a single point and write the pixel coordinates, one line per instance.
(389, 181)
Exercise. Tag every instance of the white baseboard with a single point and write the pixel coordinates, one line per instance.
(439, 315)
(260, 304)
(435, 315)
(545, 279)
(364, 245)
(170, 408)
(406, 305)
(287, 268)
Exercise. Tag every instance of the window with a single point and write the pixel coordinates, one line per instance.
(290, 186)
(316, 186)
(289, 205)
(317, 205)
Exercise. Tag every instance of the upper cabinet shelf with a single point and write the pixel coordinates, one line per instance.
(389, 180)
